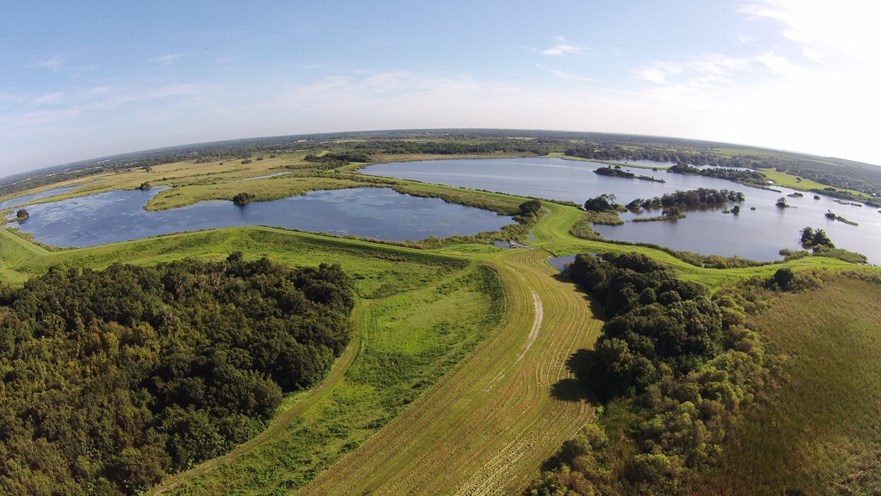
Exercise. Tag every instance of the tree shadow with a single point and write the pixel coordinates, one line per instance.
(576, 388)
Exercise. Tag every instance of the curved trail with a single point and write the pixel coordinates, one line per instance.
(487, 426)
(536, 325)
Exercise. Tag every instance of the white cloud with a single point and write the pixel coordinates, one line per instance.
(705, 72)
(51, 62)
(49, 98)
(659, 72)
(167, 59)
(563, 48)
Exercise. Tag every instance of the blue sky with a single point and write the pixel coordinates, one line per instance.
(87, 79)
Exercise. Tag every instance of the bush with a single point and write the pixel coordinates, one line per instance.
(783, 277)
(242, 199)
(531, 207)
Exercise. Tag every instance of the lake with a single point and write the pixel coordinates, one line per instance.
(36, 196)
(379, 213)
(756, 234)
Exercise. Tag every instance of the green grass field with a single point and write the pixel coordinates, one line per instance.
(790, 181)
(446, 387)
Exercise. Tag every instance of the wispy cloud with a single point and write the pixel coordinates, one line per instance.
(563, 48)
(60, 63)
(51, 62)
(167, 59)
(659, 72)
(50, 98)
(568, 76)
(701, 72)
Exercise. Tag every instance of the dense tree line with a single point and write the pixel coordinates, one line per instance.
(685, 200)
(679, 360)
(109, 380)
(457, 147)
(338, 159)
(743, 176)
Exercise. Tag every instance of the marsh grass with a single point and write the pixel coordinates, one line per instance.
(821, 434)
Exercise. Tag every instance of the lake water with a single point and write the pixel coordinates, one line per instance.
(379, 213)
(36, 196)
(756, 234)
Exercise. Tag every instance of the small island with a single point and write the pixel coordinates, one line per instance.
(617, 171)
(832, 216)
(22, 215)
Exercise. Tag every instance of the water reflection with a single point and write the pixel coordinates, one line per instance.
(379, 213)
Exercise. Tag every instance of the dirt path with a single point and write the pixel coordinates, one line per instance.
(536, 325)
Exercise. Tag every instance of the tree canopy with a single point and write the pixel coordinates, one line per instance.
(109, 380)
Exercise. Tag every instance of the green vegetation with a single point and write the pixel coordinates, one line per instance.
(456, 379)
(581, 229)
(675, 367)
(243, 199)
(602, 203)
(832, 216)
(820, 433)
(616, 171)
(406, 343)
(113, 378)
(21, 215)
(531, 207)
(696, 198)
(748, 177)
(815, 239)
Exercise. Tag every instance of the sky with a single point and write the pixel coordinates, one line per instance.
(81, 80)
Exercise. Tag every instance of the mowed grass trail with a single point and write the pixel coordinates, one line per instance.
(822, 434)
(487, 426)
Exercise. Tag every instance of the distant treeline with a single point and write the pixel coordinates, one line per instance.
(743, 176)
(685, 155)
(598, 146)
(338, 159)
(832, 171)
(111, 379)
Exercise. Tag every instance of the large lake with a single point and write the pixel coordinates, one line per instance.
(757, 234)
(379, 213)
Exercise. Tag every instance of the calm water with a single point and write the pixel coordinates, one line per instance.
(379, 213)
(758, 234)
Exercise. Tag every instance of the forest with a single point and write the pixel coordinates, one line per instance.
(743, 176)
(111, 379)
